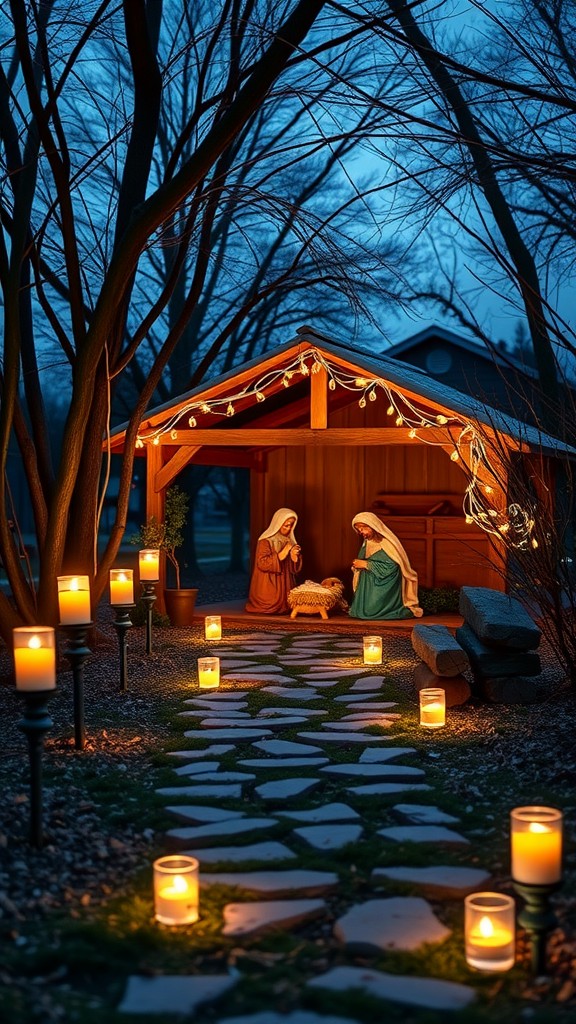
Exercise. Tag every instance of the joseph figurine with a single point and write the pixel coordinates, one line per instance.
(278, 559)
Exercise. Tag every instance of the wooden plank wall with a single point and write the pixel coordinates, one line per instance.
(327, 487)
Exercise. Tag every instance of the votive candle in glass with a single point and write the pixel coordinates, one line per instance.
(432, 708)
(121, 586)
(74, 600)
(208, 673)
(176, 889)
(536, 845)
(489, 931)
(213, 627)
(372, 650)
(34, 658)
(149, 565)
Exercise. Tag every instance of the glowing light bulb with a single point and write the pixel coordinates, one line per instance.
(260, 397)
(204, 407)
(332, 384)
(139, 442)
(534, 543)
(399, 421)
(454, 456)
(362, 402)
(372, 396)
(412, 433)
(390, 410)
(156, 440)
(174, 434)
(192, 421)
(442, 420)
(230, 409)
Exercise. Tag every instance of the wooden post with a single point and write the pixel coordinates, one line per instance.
(155, 500)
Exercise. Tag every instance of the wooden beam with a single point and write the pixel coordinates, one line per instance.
(303, 436)
(170, 470)
(319, 399)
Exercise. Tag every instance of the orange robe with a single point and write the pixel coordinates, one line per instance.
(272, 580)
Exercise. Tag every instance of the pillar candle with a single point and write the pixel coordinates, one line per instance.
(208, 673)
(34, 658)
(176, 890)
(536, 840)
(432, 708)
(213, 627)
(74, 600)
(149, 562)
(121, 586)
(372, 650)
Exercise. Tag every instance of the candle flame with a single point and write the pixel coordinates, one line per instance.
(179, 884)
(486, 928)
(74, 585)
(536, 826)
(122, 577)
(35, 642)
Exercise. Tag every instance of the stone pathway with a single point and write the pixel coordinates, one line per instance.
(279, 767)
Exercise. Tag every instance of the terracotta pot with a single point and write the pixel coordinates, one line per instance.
(180, 606)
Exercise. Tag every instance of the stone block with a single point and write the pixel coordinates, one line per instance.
(513, 690)
(489, 662)
(456, 688)
(497, 619)
(439, 650)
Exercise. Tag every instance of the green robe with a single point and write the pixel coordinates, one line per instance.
(379, 591)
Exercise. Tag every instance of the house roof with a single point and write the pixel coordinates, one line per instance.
(492, 355)
(359, 359)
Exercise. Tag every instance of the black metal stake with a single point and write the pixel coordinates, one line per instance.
(537, 918)
(35, 723)
(122, 624)
(76, 651)
(149, 597)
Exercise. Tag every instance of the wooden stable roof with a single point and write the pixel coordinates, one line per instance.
(259, 405)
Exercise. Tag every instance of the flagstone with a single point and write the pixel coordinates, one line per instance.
(180, 994)
(425, 814)
(430, 993)
(374, 771)
(203, 835)
(401, 922)
(421, 834)
(227, 734)
(283, 762)
(211, 751)
(248, 918)
(197, 768)
(283, 722)
(275, 883)
(286, 748)
(322, 682)
(231, 776)
(377, 754)
(342, 737)
(229, 791)
(375, 705)
(229, 663)
(226, 713)
(296, 1017)
(446, 881)
(203, 815)
(307, 712)
(348, 698)
(379, 720)
(327, 812)
(257, 676)
(292, 692)
(224, 696)
(361, 716)
(369, 683)
(386, 788)
(329, 837)
(267, 851)
(343, 672)
(283, 789)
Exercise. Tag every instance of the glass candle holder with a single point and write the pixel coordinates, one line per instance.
(536, 845)
(74, 600)
(372, 650)
(149, 565)
(432, 708)
(176, 889)
(489, 931)
(34, 658)
(213, 627)
(208, 673)
(121, 586)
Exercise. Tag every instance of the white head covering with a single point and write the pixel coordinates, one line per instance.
(393, 548)
(278, 520)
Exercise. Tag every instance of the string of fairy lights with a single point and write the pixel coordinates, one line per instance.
(512, 523)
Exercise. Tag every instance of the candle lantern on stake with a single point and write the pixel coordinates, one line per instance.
(213, 627)
(536, 855)
(176, 890)
(432, 708)
(149, 565)
(75, 621)
(122, 601)
(489, 931)
(208, 673)
(35, 672)
(372, 646)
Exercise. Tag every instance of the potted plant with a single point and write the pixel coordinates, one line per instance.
(167, 536)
